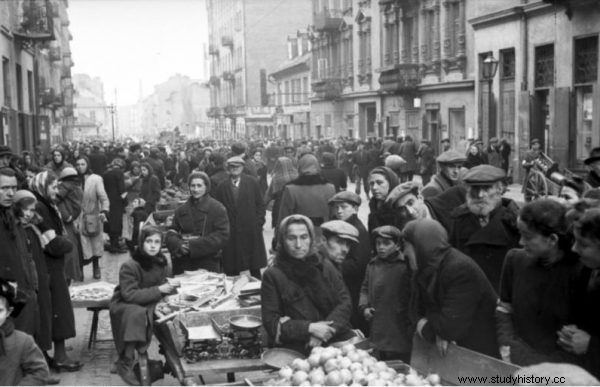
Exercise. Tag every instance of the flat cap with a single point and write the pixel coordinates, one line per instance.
(345, 196)
(236, 160)
(342, 229)
(68, 171)
(5, 151)
(387, 232)
(484, 175)
(535, 141)
(451, 156)
(22, 194)
(394, 161)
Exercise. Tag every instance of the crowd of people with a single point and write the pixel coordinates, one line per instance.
(445, 256)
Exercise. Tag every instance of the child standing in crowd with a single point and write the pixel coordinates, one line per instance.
(142, 283)
(21, 361)
(385, 296)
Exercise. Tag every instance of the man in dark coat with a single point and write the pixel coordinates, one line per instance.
(98, 160)
(362, 165)
(241, 196)
(426, 161)
(15, 264)
(455, 301)
(157, 165)
(449, 164)
(485, 227)
(408, 151)
(218, 173)
(335, 176)
(593, 162)
(114, 183)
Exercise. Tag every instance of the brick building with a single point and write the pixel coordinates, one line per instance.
(36, 92)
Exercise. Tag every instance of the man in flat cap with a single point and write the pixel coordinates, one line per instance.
(449, 164)
(241, 196)
(484, 227)
(593, 163)
(345, 208)
(426, 161)
(239, 149)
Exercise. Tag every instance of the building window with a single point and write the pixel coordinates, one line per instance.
(391, 30)
(407, 27)
(286, 92)
(30, 92)
(305, 91)
(507, 69)
(507, 94)
(19, 74)
(364, 50)
(544, 66)
(427, 47)
(586, 59)
(585, 110)
(6, 81)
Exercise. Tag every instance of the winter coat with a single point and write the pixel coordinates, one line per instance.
(98, 162)
(474, 160)
(586, 315)
(94, 201)
(150, 192)
(23, 363)
(451, 291)
(16, 265)
(282, 297)
(540, 303)
(216, 178)
(63, 319)
(183, 171)
(134, 299)
(70, 196)
(438, 184)
(335, 176)
(386, 288)
(206, 220)
(486, 245)
(57, 168)
(158, 166)
(354, 268)
(426, 160)
(408, 151)
(261, 172)
(307, 195)
(114, 184)
(494, 157)
(360, 158)
(245, 248)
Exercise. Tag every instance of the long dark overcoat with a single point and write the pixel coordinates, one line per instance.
(114, 184)
(246, 248)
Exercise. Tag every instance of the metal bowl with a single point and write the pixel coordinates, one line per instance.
(280, 357)
(245, 322)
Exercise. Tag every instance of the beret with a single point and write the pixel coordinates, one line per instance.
(22, 194)
(342, 229)
(451, 157)
(388, 232)
(484, 175)
(345, 196)
(235, 160)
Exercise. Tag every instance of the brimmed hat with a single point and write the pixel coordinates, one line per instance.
(342, 229)
(347, 197)
(451, 156)
(484, 175)
(594, 156)
(5, 151)
(235, 160)
(68, 171)
(387, 232)
(22, 194)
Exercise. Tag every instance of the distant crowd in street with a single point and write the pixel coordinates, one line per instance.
(445, 256)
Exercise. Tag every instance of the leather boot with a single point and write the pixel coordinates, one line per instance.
(125, 371)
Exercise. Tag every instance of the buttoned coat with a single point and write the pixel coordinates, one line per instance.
(94, 201)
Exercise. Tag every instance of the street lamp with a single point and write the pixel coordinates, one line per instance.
(490, 66)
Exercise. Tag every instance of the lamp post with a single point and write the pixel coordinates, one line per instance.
(490, 66)
(111, 109)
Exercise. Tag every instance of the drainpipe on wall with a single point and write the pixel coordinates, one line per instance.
(524, 31)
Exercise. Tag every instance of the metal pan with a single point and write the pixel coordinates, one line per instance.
(280, 357)
(245, 322)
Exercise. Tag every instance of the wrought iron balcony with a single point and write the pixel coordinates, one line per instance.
(328, 83)
(230, 111)
(328, 19)
(400, 78)
(227, 40)
(35, 22)
(213, 50)
(50, 98)
(213, 112)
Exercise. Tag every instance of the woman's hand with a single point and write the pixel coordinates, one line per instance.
(166, 288)
(322, 330)
(314, 342)
(369, 313)
(442, 345)
(102, 217)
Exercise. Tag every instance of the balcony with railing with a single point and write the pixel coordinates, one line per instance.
(35, 21)
(49, 98)
(400, 78)
(328, 19)
(327, 82)
(230, 111)
(213, 112)
(227, 40)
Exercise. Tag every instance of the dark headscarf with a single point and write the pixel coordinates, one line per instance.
(283, 172)
(389, 175)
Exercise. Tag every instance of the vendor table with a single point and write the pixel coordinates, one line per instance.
(94, 306)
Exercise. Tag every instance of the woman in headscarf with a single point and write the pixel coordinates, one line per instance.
(45, 188)
(382, 181)
(536, 286)
(94, 210)
(283, 172)
(69, 198)
(308, 194)
(453, 301)
(58, 162)
(204, 219)
(304, 300)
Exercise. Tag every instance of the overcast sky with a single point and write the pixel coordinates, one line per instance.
(127, 41)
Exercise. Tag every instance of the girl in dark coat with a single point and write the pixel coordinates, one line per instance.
(142, 283)
(535, 287)
(204, 219)
(304, 300)
(150, 189)
(45, 188)
(114, 184)
(452, 298)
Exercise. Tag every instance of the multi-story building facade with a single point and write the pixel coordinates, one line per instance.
(92, 114)
(36, 90)
(293, 90)
(179, 102)
(242, 53)
(546, 86)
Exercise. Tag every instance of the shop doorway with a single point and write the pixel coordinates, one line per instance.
(540, 118)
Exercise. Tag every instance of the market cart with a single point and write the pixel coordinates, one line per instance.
(544, 178)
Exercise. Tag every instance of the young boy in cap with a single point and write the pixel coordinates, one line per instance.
(385, 296)
(21, 361)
